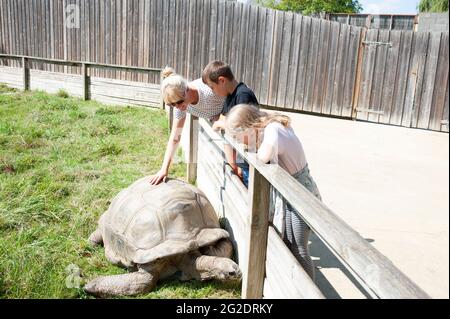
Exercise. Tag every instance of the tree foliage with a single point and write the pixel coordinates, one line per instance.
(433, 5)
(308, 7)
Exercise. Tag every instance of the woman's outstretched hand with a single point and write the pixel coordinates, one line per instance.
(158, 177)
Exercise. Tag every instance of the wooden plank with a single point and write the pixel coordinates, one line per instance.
(275, 57)
(244, 35)
(331, 71)
(213, 26)
(108, 36)
(312, 65)
(291, 86)
(253, 278)
(339, 77)
(352, 71)
(290, 278)
(205, 35)
(440, 85)
(259, 54)
(303, 63)
(402, 78)
(158, 38)
(166, 40)
(11, 76)
(113, 32)
(266, 67)
(26, 74)
(171, 41)
(387, 99)
(231, 183)
(251, 50)
(228, 30)
(85, 77)
(3, 31)
(224, 208)
(191, 165)
(19, 21)
(429, 80)
(217, 44)
(52, 82)
(285, 53)
(321, 70)
(378, 77)
(370, 54)
(419, 48)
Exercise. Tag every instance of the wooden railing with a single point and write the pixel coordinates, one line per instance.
(105, 90)
(271, 271)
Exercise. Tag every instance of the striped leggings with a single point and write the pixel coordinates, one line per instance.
(296, 238)
(296, 232)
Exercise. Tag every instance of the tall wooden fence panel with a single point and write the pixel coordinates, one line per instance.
(405, 79)
(291, 61)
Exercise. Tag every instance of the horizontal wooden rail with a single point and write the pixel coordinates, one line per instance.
(79, 63)
(376, 273)
(95, 87)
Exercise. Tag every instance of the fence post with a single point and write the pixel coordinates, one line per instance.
(84, 72)
(255, 259)
(26, 73)
(193, 149)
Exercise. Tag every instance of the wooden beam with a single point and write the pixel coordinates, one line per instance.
(254, 269)
(26, 74)
(84, 72)
(191, 166)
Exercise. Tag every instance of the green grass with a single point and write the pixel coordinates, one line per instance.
(61, 162)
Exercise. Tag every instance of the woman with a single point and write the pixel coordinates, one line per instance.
(275, 141)
(194, 97)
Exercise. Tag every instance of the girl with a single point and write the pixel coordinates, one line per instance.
(194, 97)
(276, 142)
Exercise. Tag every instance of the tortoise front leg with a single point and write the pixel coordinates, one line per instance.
(122, 285)
(96, 237)
(204, 267)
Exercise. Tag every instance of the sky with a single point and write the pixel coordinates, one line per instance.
(389, 6)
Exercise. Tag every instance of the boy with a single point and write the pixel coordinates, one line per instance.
(219, 77)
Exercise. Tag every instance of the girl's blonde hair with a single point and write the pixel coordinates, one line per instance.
(244, 116)
(173, 86)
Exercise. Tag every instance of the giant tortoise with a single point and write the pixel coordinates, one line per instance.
(158, 230)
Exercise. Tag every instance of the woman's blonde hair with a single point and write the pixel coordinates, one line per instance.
(173, 86)
(244, 116)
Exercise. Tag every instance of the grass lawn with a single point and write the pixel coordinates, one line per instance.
(61, 162)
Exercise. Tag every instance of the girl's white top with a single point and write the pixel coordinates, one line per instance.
(208, 105)
(281, 145)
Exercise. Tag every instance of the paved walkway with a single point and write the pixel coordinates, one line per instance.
(391, 184)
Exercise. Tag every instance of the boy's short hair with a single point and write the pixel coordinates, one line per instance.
(214, 69)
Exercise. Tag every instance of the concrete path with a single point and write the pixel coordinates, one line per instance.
(391, 184)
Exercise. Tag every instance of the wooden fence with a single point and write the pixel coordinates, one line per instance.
(404, 79)
(269, 268)
(86, 86)
(291, 61)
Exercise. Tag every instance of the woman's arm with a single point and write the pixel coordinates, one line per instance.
(174, 139)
